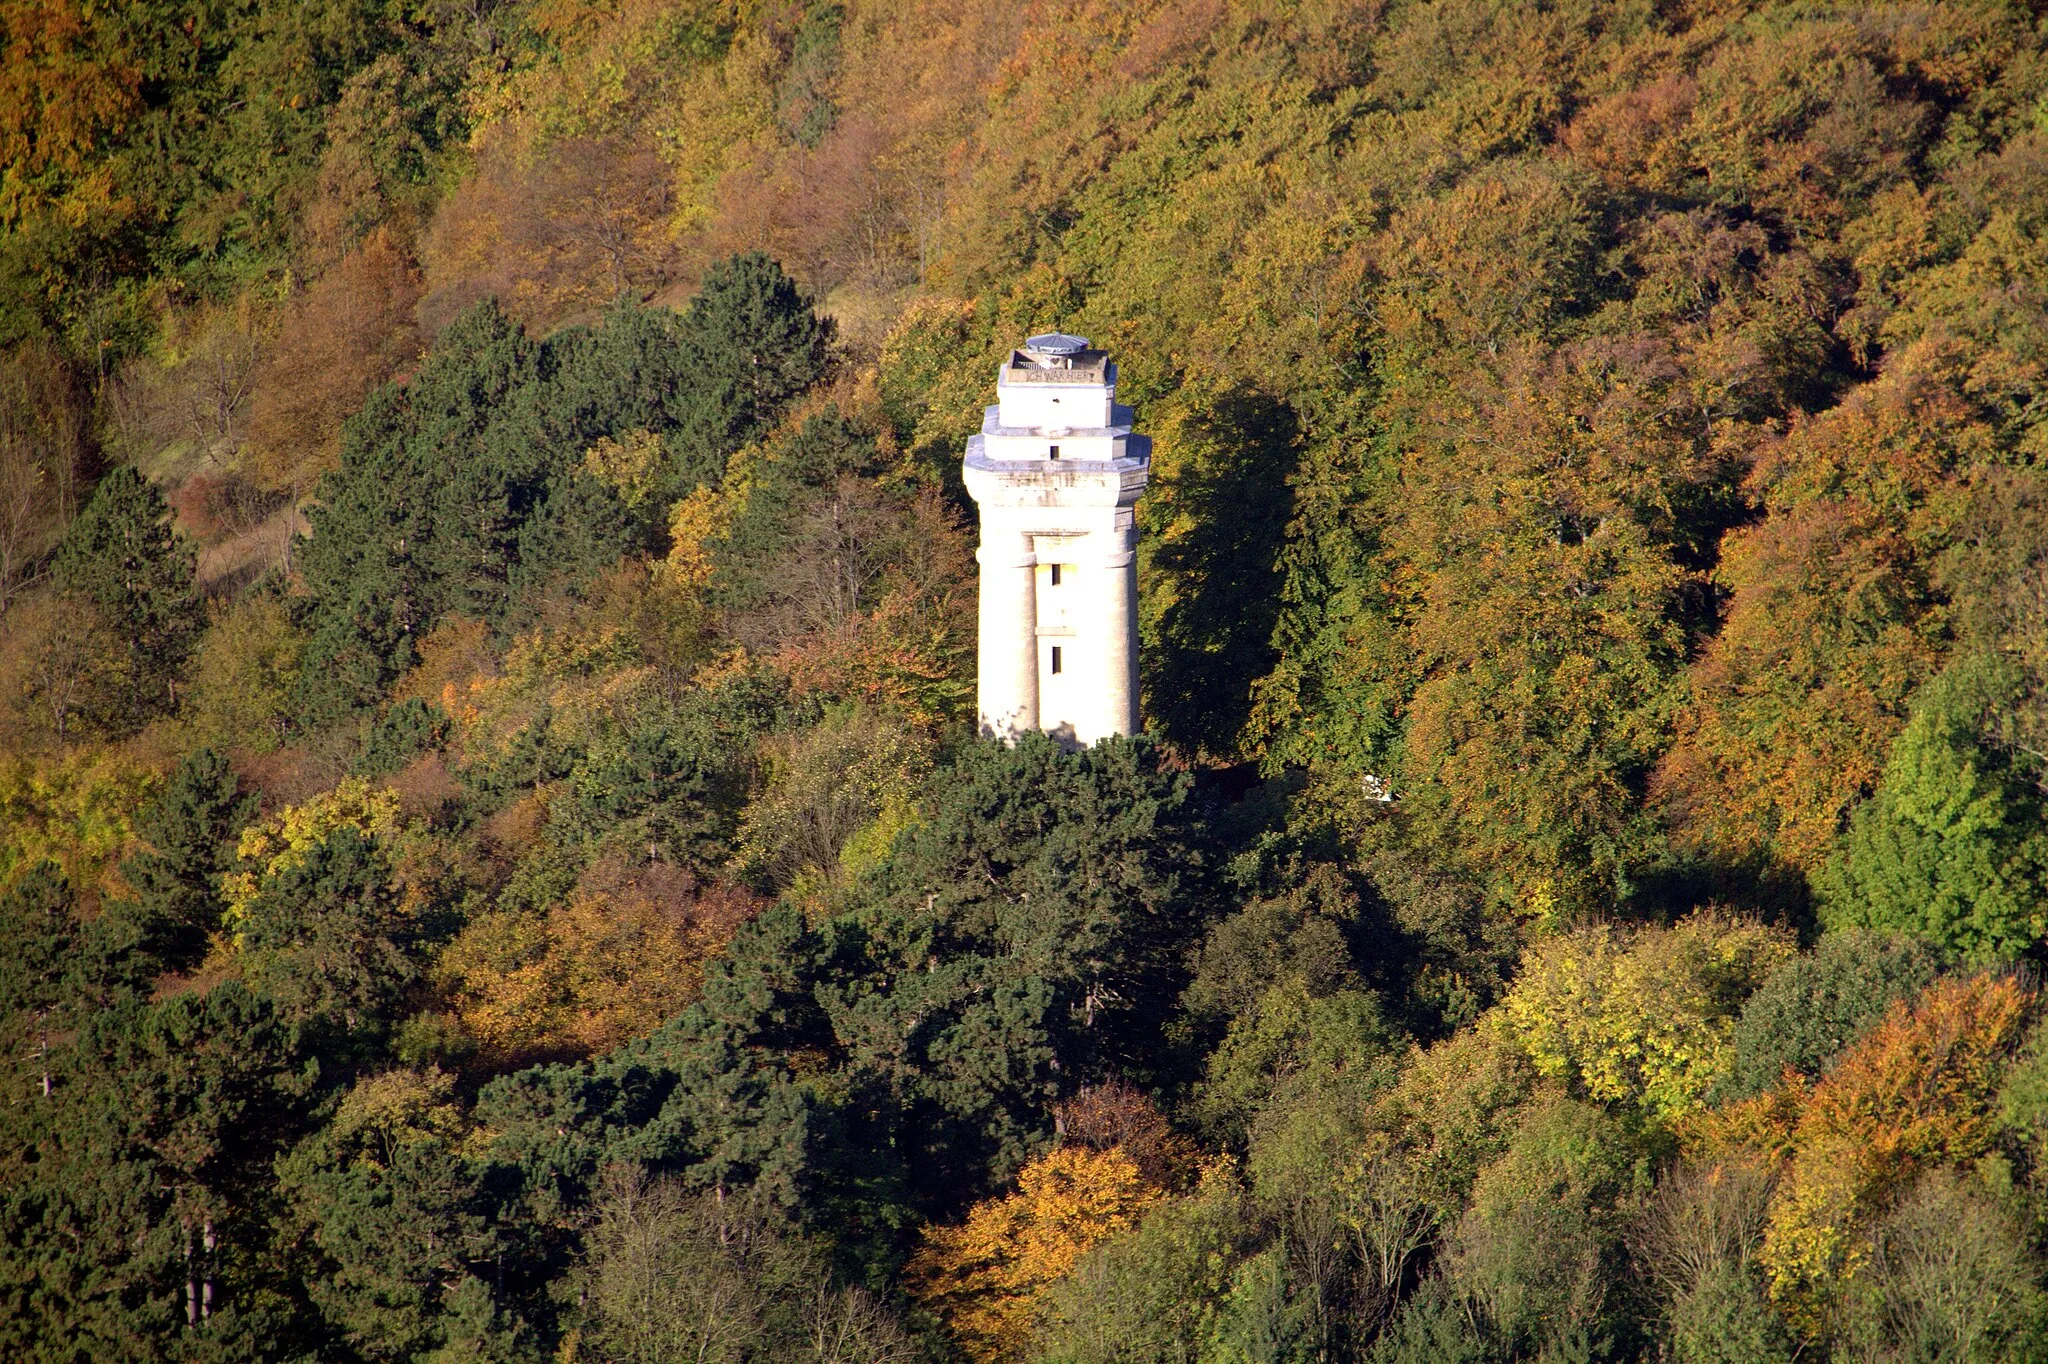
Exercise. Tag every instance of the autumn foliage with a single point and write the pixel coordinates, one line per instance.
(984, 1276)
(496, 859)
(1918, 1092)
(1644, 1018)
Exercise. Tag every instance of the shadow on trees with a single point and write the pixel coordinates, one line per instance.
(1215, 566)
(1687, 879)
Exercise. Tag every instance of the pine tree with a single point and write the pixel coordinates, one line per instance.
(440, 480)
(123, 555)
(190, 830)
(131, 1199)
(371, 567)
(38, 935)
(479, 440)
(326, 938)
(753, 343)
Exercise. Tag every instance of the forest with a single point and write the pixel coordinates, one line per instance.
(496, 861)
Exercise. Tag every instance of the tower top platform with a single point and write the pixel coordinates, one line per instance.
(1081, 365)
(1061, 391)
(1055, 344)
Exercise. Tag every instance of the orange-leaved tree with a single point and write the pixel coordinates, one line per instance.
(621, 955)
(1833, 620)
(1919, 1092)
(984, 1277)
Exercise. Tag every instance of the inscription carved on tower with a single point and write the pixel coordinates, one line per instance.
(1056, 472)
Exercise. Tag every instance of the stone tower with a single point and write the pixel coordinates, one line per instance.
(1056, 471)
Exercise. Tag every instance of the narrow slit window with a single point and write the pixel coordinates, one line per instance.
(1056, 660)
(1055, 452)
(1055, 575)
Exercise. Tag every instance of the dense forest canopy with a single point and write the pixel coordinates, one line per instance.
(495, 862)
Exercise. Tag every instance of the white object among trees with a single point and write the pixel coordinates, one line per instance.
(1056, 472)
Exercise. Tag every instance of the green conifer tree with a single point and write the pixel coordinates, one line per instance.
(326, 938)
(190, 831)
(372, 568)
(38, 935)
(753, 343)
(124, 556)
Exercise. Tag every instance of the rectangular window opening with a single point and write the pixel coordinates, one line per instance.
(1055, 575)
(1055, 452)
(1056, 658)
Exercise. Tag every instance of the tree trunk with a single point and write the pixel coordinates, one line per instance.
(191, 1281)
(206, 1281)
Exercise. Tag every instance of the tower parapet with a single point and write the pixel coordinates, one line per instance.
(1056, 472)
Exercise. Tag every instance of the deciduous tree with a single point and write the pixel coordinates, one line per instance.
(1953, 846)
(1642, 1018)
(985, 1277)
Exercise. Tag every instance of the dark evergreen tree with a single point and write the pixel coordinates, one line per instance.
(124, 556)
(667, 786)
(131, 1201)
(404, 1222)
(577, 529)
(479, 438)
(740, 1111)
(38, 941)
(903, 1054)
(190, 831)
(368, 595)
(326, 938)
(752, 343)
(1030, 937)
(410, 728)
(630, 372)
(465, 489)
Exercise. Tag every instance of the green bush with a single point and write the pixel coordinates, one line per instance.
(1818, 1003)
(1539, 1250)
(1153, 1294)
(1434, 1328)
(1949, 1278)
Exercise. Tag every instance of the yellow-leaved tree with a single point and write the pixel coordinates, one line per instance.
(1644, 1016)
(76, 808)
(984, 1277)
(273, 847)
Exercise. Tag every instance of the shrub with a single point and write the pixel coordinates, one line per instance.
(1815, 1005)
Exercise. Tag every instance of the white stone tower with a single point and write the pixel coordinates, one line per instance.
(1056, 471)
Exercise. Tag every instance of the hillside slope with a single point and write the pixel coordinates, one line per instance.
(495, 859)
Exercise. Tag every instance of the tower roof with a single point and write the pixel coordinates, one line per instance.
(1055, 343)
